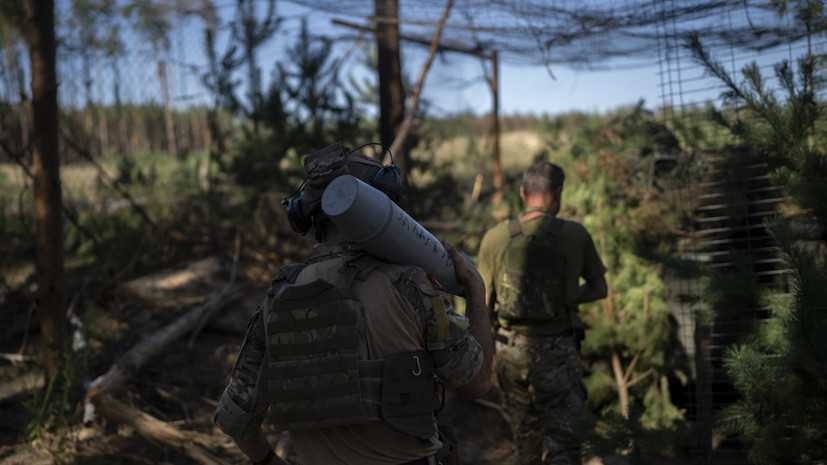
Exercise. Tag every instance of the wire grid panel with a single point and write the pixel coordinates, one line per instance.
(723, 195)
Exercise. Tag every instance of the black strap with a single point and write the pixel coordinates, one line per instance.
(515, 228)
(556, 226)
(267, 459)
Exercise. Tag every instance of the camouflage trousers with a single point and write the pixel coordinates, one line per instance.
(541, 387)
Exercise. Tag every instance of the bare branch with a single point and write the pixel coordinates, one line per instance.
(640, 377)
(209, 313)
(413, 100)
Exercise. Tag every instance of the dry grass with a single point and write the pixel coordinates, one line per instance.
(517, 150)
(77, 181)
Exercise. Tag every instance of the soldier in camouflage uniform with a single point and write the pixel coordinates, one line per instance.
(403, 311)
(534, 295)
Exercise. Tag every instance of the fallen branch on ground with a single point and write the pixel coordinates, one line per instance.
(134, 359)
(209, 313)
(99, 397)
(191, 443)
(495, 406)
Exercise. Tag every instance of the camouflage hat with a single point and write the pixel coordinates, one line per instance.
(329, 163)
(322, 167)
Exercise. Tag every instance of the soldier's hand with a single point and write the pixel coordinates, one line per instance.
(467, 275)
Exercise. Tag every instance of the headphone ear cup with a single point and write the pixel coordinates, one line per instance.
(300, 219)
(389, 180)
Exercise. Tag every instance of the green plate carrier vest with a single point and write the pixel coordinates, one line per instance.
(532, 277)
(319, 373)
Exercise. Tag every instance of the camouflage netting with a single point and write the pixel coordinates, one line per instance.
(582, 34)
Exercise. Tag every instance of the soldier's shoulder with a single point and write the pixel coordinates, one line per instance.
(495, 239)
(402, 271)
(406, 277)
(496, 232)
(289, 272)
(573, 227)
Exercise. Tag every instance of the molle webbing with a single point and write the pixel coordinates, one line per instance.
(319, 374)
(315, 340)
(326, 298)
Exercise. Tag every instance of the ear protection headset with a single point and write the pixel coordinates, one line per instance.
(387, 179)
(298, 212)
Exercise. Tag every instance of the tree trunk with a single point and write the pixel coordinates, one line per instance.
(169, 122)
(391, 93)
(122, 135)
(103, 124)
(192, 443)
(48, 224)
(496, 166)
(703, 380)
(620, 380)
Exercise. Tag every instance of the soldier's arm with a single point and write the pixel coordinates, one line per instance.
(477, 314)
(593, 273)
(243, 404)
(591, 290)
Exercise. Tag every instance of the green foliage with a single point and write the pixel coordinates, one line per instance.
(317, 105)
(254, 162)
(633, 323)
(110, 229)
(52, 407)
(780, 370)
(785, 356)
(128, 172)
(612, 434)
(785, 131)
(730, 292)
(450, 127)
(305, 109)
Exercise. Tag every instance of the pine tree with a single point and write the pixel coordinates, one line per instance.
(780, 370)
(629, 334)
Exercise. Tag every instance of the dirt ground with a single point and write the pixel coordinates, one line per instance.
(181, 383)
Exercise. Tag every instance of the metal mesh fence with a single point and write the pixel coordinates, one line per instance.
(722, 194)
(149, 99)
(152, 98)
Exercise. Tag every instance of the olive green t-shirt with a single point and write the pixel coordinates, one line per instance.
(582, 261)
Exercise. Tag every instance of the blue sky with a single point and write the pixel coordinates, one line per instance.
(537, 90)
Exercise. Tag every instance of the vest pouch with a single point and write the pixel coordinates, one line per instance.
(409, 393)
(323, 394)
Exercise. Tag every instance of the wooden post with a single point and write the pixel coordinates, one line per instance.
(496, 166)
(47, 195)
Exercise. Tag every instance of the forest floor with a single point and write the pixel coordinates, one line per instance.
(181, 383)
